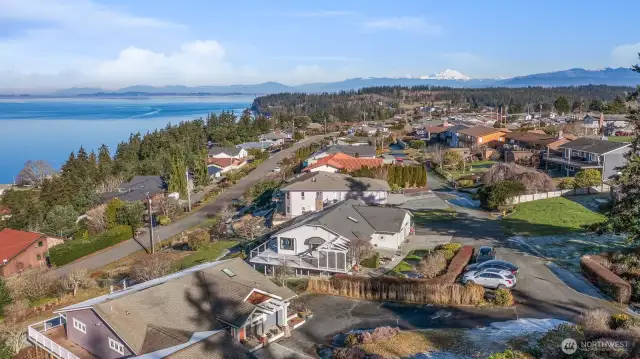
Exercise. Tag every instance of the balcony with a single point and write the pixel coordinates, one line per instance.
(329, 260)
(576, 161)
(51, 336)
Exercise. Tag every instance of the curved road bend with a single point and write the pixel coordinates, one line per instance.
(161, 233)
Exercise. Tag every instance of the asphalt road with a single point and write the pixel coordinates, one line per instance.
(126, 248)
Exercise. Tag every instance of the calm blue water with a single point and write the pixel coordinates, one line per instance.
(49, 129)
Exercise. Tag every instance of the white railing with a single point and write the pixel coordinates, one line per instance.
(39, 339)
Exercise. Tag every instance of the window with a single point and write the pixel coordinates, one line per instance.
(116, 346)
(80, 326)
(303, 210)
(40, 244)
(286, 243)
(301, 195)
(228, 272)
(39, 257)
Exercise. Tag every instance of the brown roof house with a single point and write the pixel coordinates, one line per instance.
(215, 310)
(20, 251)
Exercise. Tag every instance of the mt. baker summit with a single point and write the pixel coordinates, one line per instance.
(447, 74)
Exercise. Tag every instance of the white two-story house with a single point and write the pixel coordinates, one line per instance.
(320, 242)
(313, 191)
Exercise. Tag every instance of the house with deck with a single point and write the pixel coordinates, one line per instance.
(340, 162)
(320, 242)
(21, 250)
(276, 138)
(138, 188)
(361, 151)
(473, 137)
(585, 153)
(222, 310)
(227, 152)
(314, 191)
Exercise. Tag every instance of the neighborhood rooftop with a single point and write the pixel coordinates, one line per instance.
(231, 151)
(593, 145)
(479, 131)
(353, 220)
(355, 151)
(345, 162)
(167, 311)
(12, 242)
(326, 181)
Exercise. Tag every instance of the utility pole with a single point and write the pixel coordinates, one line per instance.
(150, 222)
(188, 191)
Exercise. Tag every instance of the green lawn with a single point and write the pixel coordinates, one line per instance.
(549, 217)
(477, 167)
(207, 255)
(619, 138)
(425, 217)
(403, 267)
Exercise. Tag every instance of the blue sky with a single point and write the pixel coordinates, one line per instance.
(61, 43)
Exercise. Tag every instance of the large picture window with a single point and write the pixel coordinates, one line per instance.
(80, 326)
(286, 243)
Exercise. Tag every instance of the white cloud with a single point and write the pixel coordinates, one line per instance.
(326, 13)
(316, 58)
(625, 55)
(404, 23)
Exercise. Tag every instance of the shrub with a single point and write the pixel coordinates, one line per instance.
(349, 353)
(199, 240)
(5, 295)
(351, 340)
(32, 285)
(596, 320)
(71, 250)
(503, 297)
(397, 289)
(164, 220)
(498, 194)
(417, 144)
(454, 247)
(457, 264)
(432, 265)
(150, 267)
(620, 320)
(567, 183)
(550, 343)
(371, 262)
(378, 334)
(510, 354)
(605, 279)
(464, 183)
(447, 254)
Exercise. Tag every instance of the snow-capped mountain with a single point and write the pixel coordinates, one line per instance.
(447, 74)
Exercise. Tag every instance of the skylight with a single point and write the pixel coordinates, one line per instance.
(228, 272)
(353, 219)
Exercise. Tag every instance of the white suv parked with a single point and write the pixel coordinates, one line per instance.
(490, 278)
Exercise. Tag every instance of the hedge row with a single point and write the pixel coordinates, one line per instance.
(371, 262)
(457, 265)
(398, 290)
(71, 250)
(605, 279)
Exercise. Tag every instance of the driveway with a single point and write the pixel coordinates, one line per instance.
(126, 248)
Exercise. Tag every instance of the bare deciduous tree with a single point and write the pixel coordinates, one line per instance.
(76, 279)
(32, 285)
(35, 172)
(437, 152)
(150, 267)
(169, 207)
(109, 184)
(249, 228)
(282, 273)
(14, 335)
(220, 227)
(532, 179)
(359, 249)
(97, 218)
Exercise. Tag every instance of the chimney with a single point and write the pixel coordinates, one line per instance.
(601, 120)
(560, 134)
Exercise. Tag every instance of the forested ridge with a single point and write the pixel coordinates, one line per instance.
(381, 102)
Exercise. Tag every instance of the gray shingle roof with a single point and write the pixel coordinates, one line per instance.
(456, 128)
(169, 312)
(325, 181)
(351, 219)
(136, 189)
(231, 151)
(218, 346)
(362, 151)
(593, 145)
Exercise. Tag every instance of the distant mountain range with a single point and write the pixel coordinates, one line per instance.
(451, 78)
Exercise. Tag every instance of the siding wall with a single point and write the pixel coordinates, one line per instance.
(96, 340)
(612, 161)
(295, 203)
(301, 234)
(27, 259)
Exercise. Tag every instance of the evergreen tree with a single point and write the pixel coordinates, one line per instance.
(105, 163)
(201, 174)
(562, 105)
(406, 176)
(391, 177)
(624, 217)
(177, 177)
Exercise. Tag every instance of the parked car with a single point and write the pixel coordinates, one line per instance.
(490, 278)
(485, 253)
(495, 263)
(277, 169)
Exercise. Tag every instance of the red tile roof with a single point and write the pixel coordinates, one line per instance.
(12, 242)
(345, 162)
(224, 162)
